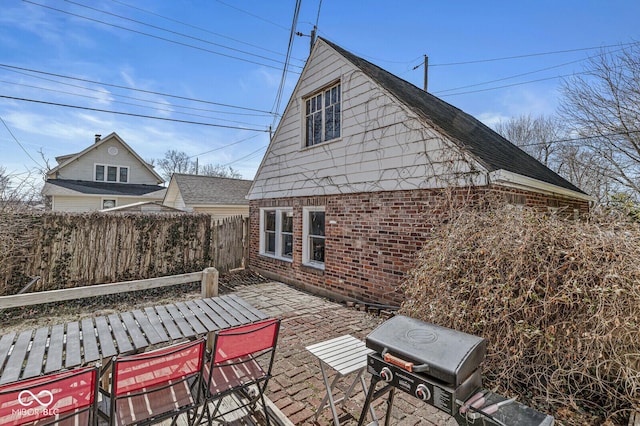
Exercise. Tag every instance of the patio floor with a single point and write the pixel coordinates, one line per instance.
(297, 387)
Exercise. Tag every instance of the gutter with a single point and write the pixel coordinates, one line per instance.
(514, 180)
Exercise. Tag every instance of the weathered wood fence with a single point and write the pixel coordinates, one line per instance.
(69, 250)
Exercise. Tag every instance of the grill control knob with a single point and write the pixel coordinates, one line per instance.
(422, 392)
(386, 374)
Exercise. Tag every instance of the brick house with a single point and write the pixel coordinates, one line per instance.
(346, 192)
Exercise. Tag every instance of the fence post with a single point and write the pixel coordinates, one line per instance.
(209, 282)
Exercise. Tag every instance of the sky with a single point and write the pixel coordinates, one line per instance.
(207, 77)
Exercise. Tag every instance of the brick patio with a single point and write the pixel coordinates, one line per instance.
(297, 387)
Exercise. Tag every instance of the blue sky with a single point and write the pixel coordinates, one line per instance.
(220, 63)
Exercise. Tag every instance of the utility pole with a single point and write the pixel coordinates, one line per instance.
(313, 38)
(426, 72)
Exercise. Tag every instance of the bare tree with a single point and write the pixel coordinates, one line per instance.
(219, 170)
(548, 140)
(18, 192)
(175, 162)
(602, 106)
(536, 136)
(180, 162)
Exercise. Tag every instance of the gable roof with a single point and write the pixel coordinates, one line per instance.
(489, 148)
(67, 159)
(199, 189)
(105, 188)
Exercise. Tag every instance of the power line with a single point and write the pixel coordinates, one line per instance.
(523, 74)
(136, 90)
(224, 146)
(152, 35)
(582, 138)
(283, 78)
(530, 55)
(106, 92)
(133, 115)
(19, 144)
(513, 84)
(126, 103)
(200, 28)
(246, 157)
(172, 32)
(255, 16)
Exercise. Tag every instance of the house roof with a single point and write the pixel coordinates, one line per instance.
(199, 189)
(66, 159)
(489, 148)
(104, 188)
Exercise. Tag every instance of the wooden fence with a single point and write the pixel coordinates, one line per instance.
(69, 250)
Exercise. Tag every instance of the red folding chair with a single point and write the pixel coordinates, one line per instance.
(240, 365)
(153, 386)
(65, 399)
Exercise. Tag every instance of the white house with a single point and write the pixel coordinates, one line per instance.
(108, 173)
(349, 187)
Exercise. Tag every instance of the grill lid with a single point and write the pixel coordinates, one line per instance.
(439, 352)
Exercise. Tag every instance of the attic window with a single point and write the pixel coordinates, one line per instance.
(106, 173)
(322, 116)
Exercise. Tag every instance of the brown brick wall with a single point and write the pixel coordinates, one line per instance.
(372, 238)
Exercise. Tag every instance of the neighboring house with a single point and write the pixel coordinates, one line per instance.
(142, 207)
(348, 189)
(106, 174)
(219, 196)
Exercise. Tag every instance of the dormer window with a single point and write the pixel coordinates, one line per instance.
(106, 173)
(322, 116)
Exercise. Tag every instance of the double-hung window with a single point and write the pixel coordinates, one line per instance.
(313, 246)
(322, 116)
(105, 173)
(276, 233)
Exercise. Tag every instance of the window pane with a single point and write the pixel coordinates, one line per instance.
(100, 173)
(287, 221)
(328, 124)
(108, 204)
(317, 128)
(124, 174)
(336, 121)
(112, 173)
(317, 249)
(270, 220)
(309, 140)
(270, 242)
(316, 223)
(287, 245)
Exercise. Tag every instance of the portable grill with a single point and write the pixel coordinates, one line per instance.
(437, 365)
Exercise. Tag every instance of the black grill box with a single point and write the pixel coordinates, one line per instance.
(447, 355)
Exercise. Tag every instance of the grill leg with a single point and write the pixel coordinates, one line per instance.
(368, 399)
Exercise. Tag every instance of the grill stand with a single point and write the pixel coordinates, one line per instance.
(444, 397)
(372, 395)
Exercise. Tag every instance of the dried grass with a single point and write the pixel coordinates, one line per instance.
(558, 302)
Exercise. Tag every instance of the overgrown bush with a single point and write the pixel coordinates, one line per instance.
(558, 302)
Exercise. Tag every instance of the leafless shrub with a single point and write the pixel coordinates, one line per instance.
(558, 302)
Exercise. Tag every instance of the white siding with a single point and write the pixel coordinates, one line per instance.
(382, 147)
(85, 203)
(83, 168)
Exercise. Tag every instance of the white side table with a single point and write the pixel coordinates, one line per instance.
(346, 355)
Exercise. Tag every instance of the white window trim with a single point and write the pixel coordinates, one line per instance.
(115, 203)
(305, 237)
(278, 248)
(303, 119)
(106, 173)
